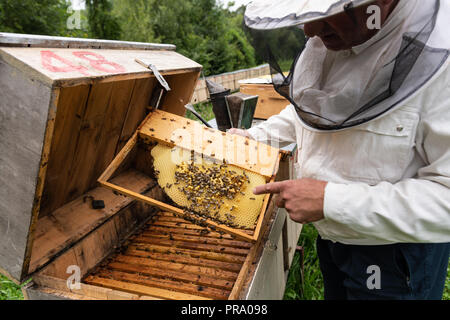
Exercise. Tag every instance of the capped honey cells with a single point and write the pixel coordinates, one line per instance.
(208, 188)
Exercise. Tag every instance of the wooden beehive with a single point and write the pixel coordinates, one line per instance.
(68, 108)
(270, 102)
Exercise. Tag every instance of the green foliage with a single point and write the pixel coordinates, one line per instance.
(279, 45)
(204, 109)
(200, 29)
(102, 24)
(306, 284)
(447, 285)
(9, 290)
(47, 17)
(134, 20)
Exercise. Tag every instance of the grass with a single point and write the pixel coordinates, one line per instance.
(204, 109)
(306, 284)
(9, 290)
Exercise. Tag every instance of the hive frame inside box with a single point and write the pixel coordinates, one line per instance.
(142, 138)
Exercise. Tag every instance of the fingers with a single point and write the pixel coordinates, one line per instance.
(280, 202)
(274, 188)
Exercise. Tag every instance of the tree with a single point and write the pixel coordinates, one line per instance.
(102, 24)
(46, 17)
(136, 22)
(200, 29)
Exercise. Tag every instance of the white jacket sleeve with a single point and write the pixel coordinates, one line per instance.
(279, 129)
(413, 210)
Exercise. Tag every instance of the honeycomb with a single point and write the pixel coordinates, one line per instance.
(239, 210)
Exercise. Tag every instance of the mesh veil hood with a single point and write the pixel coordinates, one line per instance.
(398, 61)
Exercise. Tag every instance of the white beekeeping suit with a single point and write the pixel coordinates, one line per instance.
(386, 156)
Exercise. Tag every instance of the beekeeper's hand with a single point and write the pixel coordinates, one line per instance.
(303, 199)
(240, 132)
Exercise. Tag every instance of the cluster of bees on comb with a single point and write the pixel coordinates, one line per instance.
(208, 187)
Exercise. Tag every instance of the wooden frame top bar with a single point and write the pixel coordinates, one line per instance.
(173, 130)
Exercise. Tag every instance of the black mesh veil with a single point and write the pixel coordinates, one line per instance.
(413, 56)
(280, 48)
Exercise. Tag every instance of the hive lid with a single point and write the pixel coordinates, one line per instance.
(85, 61)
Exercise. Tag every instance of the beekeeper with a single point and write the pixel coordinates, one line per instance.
(370, 113)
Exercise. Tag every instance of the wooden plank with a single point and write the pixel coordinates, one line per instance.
(175, 275)
(98, 244)
(191, 245)
(67, 67)
(82, 167)
(141, 289)
(31, 40)
(26, 105)
(175, 266)
(267, 198)
(247, 154)
(71, 108)
(186, 259)
(193, 253)
(178, 229)
(167, 284)
(114, 117)
(118, 160)
(189, 226)
(43, 293)
(196, 239)
(85, 290)
(183, 87)
(137, 109)
(183, 222)
(70, 223)
(269, 102)
(49, 133)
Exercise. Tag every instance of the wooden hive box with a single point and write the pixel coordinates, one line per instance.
(68, 108)
(270, 102)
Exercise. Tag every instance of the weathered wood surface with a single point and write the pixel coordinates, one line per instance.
(31, 40)
(269, 102)
(92, 124)
(56, 287)
(68, 224)
(268, 281)
(180, 266)
(230, 80)
(68, 67)
(24, 111)
(182, 91)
